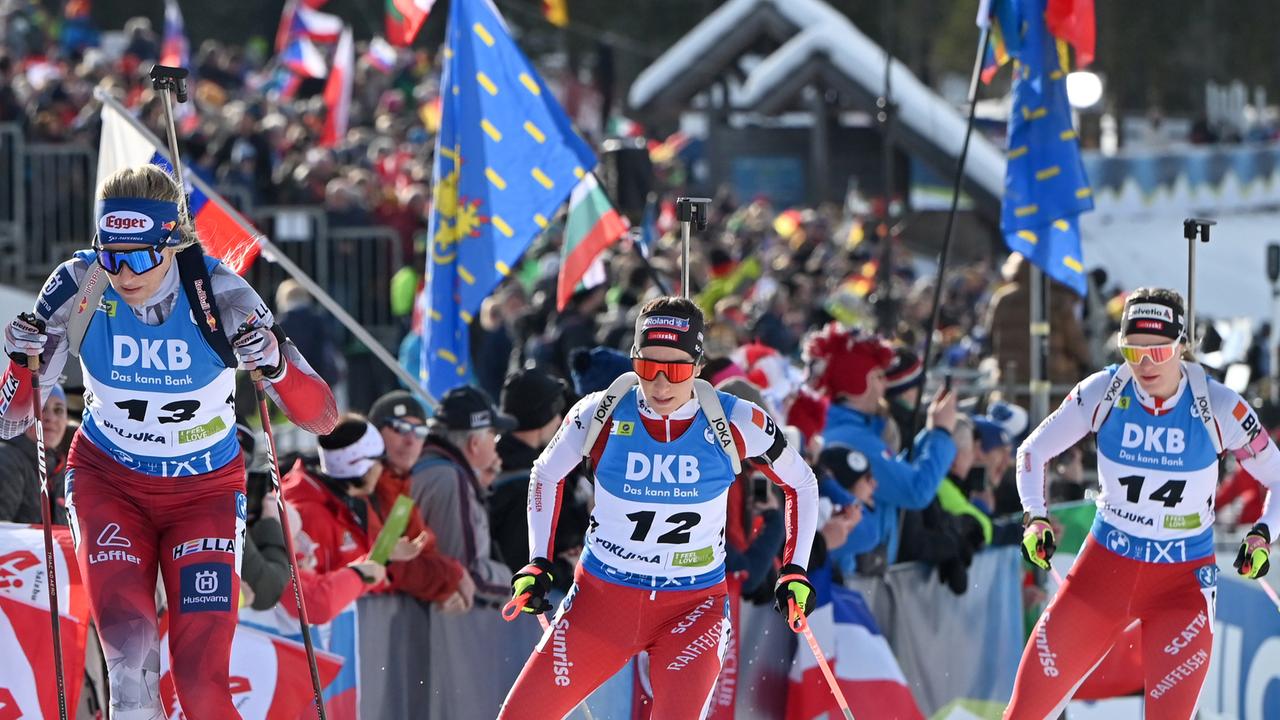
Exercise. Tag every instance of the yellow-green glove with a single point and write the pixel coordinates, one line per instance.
(1254, 559)
(794, 584)
(534, 579)
(1038, 542)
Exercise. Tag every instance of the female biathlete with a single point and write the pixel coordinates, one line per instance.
(652, 575)
(1160, 425)
(155, 478)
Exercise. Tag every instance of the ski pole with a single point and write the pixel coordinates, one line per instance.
(260, 396)
(170, 81)
(799, 624)
(46, 514)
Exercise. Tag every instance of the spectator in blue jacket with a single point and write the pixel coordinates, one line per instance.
(850, 370)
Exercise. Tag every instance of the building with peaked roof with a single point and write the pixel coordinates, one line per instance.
(764, 72)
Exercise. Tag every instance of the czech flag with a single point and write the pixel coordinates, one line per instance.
(301, 21)
(302, 57)
(224, 233)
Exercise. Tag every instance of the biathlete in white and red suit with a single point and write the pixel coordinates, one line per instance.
(652, 577)
(154, 479)
(1160, 426)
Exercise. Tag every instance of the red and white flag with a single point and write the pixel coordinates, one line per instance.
(337, 91)
(28, 688)
(269, 675)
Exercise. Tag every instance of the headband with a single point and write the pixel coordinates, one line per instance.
(670, 327)
(136, 220)
(1153, 317)
(353, 461)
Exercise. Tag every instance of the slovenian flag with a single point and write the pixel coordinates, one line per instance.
(224, 233)
(860, 658)
(337, 92)
(592, 226)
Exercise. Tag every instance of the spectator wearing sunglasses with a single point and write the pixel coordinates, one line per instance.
(536, 399)
(451, 483)
(19, 473)
(160, 329)
(433, 576)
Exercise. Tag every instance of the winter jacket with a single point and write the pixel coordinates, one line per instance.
(899, 484)
(20, 483)
(452, 503)
(509, 517)
(265, 565)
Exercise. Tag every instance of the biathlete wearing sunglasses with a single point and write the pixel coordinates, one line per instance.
(154, 479)
(1160, 426)
(652, 576)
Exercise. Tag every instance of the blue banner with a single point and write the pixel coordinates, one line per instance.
(506, 159)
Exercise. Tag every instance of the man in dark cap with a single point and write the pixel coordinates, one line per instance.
(452, 479)
(536, 399)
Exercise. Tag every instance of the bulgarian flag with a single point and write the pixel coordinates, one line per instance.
(405, 18)
(593, 225)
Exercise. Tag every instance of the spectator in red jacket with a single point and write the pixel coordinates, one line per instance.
(338, 523)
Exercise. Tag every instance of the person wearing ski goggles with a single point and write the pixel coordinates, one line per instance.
(1161, 425)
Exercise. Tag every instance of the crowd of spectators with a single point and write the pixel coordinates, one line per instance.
(809, 317)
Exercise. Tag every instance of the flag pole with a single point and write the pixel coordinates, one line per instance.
(947, 235)
(273, 254)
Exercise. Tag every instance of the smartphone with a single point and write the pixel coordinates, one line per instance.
(759, 489)
(946, 384)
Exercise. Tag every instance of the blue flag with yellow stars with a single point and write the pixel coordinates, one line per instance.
(506, 158)
(1045, 187)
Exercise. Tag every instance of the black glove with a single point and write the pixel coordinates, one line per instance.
(534, 579)
(793, 583)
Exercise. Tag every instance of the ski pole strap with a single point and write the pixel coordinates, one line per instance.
(515, 606)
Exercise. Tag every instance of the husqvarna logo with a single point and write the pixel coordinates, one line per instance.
(661, 468)
(125, 221)
(207, 582)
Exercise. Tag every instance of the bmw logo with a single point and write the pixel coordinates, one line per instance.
(709, 436)
(1118, 542)
(1208, 576)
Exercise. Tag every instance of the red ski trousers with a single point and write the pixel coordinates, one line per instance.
(128, 525)
(600, 625)
(1103, 595)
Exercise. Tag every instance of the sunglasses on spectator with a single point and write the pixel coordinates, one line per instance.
(1157, 354)
(404, 427)
(675, 371)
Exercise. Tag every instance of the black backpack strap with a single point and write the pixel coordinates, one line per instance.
(197, 285)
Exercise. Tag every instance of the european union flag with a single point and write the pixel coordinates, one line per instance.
(1045, 188)
(506, 158)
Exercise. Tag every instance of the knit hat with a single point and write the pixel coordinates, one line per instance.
(1013, 418)
(469, 408)
(533, 397)
(808, 413)
(396, 404)
(845, 464)
(351, 449)
(839, 361)
(989, 433)
(596, 368)
(905, 372)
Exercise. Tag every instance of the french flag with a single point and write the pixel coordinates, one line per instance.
(337, 92)
(860, 657)
(302, 57)
(224, 233)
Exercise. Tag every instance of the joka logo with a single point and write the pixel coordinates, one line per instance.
(205, 587)
(1158, 439)
(658, 468)
(125, 221)
(127, 351)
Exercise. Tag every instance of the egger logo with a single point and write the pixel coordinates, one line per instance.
(125, 221)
